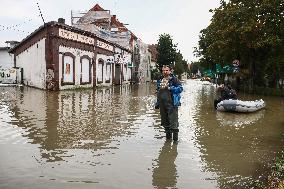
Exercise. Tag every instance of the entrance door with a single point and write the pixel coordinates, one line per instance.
(117, 74)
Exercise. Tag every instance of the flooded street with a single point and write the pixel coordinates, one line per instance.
(112, 138)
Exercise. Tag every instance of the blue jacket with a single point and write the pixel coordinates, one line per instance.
(175, 87)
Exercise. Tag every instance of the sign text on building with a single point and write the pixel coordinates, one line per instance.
(75, 36)
(104, 45)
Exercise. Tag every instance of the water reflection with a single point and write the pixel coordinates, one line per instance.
(239, 119)
(239, 148)
(111, 137)
(165, 172)
(87, 119)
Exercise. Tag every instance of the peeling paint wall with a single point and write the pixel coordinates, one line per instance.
(144, 74)
(49, 79)
(32, 60)
(78, 54)
(127, 67)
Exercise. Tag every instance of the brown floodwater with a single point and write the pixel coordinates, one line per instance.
(112, 138)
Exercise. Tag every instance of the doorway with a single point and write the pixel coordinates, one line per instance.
(117, 74)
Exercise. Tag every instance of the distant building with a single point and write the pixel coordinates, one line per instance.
(154, 53)
(100, 22)
(143, 69)
(8, 74)
(7, 59)
(57, 56)
(12, 44)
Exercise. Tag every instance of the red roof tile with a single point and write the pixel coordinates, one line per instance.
(97, 7)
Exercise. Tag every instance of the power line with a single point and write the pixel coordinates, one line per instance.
(3, 27)
(40, 12)
(15, 27)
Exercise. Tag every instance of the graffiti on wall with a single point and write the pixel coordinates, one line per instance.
(110, 60)
(122, 59)
(8, 75)
(49, 79)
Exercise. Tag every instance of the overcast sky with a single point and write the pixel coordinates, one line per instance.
(147, 19)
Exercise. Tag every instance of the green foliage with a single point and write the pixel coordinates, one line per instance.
(168, 55)
(278, 166)
(181, 65)
(275, 62)
(195, 66)
(155, 74)
(166, 51)
(249, 30)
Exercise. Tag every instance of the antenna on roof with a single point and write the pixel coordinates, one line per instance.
(40, 12)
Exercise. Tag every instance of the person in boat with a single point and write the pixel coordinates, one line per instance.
(226, 92)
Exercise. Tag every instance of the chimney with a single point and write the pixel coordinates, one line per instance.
(61, 20)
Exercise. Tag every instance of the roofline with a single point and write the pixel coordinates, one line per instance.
(12, 41)
(29, 36)
(4, 48)
(54, 23)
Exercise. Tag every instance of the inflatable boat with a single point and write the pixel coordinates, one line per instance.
(231, 105)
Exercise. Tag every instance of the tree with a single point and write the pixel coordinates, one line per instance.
(181, 65)
(195, 66)
(248, 30)
(155, 74)
(166, 51)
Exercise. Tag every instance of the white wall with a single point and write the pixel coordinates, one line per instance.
(6, 59)
(78, 53)
(32, 60)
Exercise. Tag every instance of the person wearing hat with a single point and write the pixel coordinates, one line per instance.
(168, 100)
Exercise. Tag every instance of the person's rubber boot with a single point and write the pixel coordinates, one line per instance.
(169, 135)
(175, 136)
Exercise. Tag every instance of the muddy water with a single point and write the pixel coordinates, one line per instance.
(111, 138)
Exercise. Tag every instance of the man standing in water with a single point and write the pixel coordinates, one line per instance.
(168, 100)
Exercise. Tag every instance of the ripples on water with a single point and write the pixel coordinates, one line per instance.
(112, 138)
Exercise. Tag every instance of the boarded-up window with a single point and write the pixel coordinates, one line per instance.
(108, 72)
(100, 72)
(85, 70)
(68, 69)
(125, 72)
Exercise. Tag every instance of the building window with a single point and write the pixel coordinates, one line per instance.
(125, 72)
(85, 70)
(100, 71)
(108, 72)
(68, 69)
